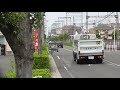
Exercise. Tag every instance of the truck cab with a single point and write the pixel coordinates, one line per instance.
(86, 47)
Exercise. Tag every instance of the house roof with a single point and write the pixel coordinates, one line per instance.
(72, 29)
(103, 27)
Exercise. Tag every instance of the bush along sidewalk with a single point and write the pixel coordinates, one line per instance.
(44, 73)
(41, 65)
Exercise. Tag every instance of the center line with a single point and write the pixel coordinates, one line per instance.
(65, 67)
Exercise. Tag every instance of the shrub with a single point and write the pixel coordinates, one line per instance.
(45, 73)
(10, 74)
(67, 43)
(12, 64)
(41, 61)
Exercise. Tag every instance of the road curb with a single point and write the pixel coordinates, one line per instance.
(54, 70)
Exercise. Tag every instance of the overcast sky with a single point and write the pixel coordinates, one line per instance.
(51, 17)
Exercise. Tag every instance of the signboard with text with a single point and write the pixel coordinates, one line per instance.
(36, 39)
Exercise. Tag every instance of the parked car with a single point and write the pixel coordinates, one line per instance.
(59, 44)
(53, 46)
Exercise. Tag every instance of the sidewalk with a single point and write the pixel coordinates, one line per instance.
(54, 70)
(5, 64)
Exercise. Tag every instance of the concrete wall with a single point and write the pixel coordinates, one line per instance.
(3, 41)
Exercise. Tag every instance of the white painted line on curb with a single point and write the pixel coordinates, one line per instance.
(112, 63)
(58, 57)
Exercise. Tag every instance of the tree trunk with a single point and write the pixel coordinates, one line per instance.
(21, 45)
(23, 67)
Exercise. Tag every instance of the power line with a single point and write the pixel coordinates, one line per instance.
(104, 18)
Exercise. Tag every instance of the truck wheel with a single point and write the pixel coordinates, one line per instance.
(62, 46)
(101, 61)
(74, 56)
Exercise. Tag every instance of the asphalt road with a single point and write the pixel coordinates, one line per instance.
(110, 68)
(5, 64)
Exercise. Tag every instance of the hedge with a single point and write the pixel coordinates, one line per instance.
(45, 73)
(67, 44)
(41, 61)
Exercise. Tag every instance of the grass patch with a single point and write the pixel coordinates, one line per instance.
(45, 73)
(10, 74)
(67, 44)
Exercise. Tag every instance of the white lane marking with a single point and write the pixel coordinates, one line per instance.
(112, 63)
(58, 57)
(65, 67)
(67, 49)
(68, 72)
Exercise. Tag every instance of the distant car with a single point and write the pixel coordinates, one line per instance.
(53, 46)
(60, 44)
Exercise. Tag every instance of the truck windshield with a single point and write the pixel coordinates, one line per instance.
(87, 37)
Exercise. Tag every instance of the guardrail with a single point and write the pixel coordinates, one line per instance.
(111, 47)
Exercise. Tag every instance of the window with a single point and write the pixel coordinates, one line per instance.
(87, 37)
(84, 37)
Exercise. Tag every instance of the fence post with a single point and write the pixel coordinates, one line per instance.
(116, 47)
(109, 47)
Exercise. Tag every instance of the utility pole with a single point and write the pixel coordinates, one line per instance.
(82, 20)
(74, 24)
(40, 32)
(66, 18)
(114, 36)
(87, 17)
(117, 22)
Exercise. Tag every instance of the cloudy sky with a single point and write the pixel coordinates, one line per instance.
(51, 17)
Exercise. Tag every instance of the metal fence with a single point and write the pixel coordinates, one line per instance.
(110, 43)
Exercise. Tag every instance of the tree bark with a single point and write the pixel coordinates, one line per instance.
(21, 45)
(23, 67)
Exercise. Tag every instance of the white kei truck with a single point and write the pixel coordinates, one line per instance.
(86, 47)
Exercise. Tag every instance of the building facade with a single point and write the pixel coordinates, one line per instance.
(4, 42)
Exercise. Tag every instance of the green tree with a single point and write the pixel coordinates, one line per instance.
(65, 36)
(97, 34)
(17, 29)
(61, 37)
(116, 33)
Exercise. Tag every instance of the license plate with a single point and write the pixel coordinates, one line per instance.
(91, 57)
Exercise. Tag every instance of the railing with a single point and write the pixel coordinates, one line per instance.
(109, 45)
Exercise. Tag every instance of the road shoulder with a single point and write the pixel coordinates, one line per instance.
(54, 70)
